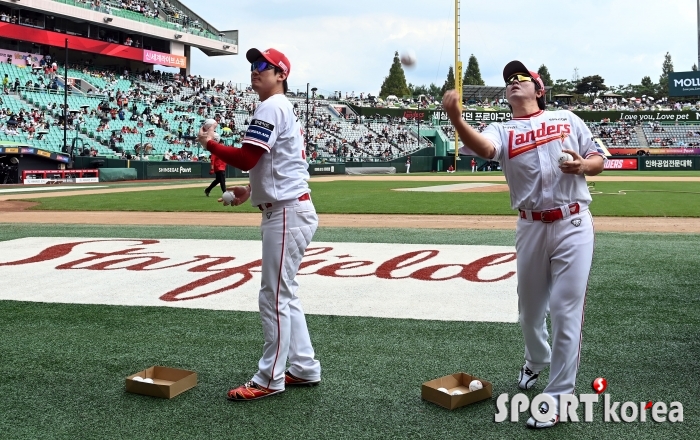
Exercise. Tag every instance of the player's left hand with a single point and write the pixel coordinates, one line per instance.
(575, 166)
(205, 136)
(240, 193)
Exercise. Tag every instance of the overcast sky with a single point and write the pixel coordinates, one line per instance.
(349, 46)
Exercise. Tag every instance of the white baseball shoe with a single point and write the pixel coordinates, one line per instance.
(527, 378)
(534, 424)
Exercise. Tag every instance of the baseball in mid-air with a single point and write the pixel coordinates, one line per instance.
(408, 58)
(228, 198)
(564, 157)
(475, 385)
(444, 390)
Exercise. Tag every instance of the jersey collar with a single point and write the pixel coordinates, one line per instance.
(531, 115)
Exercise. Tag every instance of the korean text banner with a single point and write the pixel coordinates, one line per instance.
(164, 59)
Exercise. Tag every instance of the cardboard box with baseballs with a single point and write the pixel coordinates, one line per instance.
(456, 390)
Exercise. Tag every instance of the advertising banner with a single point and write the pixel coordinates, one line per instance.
(21, 59)
(684, 83)
(164, 59)
(666, 164)
(182, 170)
(621, 164)
(440, 117)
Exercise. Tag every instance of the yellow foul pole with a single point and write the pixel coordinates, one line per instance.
(458, 76)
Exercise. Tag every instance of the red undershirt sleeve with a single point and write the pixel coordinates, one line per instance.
(243, 158)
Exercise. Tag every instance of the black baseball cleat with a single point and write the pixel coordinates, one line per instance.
(292, 380)
(206, 193)
(527, 378)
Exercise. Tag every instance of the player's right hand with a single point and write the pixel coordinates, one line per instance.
(451, 103)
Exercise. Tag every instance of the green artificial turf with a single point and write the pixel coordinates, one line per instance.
(63, 365)
(656, 199)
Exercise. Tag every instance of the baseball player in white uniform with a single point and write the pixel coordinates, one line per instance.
(273, 151)
(554, 235)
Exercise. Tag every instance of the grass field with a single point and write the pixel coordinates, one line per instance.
(655, 199)
(64, 365)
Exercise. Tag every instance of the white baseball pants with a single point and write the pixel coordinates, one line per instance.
(554, 261)
(287, 229)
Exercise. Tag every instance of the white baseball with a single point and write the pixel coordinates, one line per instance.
(456, 393)
(564, 157)
(217, 137)
(228, 198)
(444, 390)
(475, 385)
(408, 58)
(148, 380)
(208, 123)
(137, 379)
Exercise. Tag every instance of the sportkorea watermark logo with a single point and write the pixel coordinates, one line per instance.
(569, 404)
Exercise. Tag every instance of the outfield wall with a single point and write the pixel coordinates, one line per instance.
(430, 115)
(421, 162)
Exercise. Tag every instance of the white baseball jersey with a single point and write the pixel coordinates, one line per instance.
(554, 259)
(528, 149)
(281, 173)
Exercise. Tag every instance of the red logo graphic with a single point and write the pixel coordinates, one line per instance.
(649, 405)
(599, 385)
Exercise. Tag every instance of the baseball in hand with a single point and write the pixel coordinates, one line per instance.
(228, 198)
(475, 385)
(564, 157)
(208, 123)
(408, 58)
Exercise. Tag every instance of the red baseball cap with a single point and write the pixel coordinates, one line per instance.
(274, 56)
(517, 67)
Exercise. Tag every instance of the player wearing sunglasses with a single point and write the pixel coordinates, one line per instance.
(554, 234)
(273, 152)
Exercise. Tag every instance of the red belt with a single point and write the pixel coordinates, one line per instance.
(303, 198)
(551, 215)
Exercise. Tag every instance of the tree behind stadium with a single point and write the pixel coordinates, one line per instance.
(543, 72)
(395, 83)
(666, 68)
(472, 76)
(449, 82)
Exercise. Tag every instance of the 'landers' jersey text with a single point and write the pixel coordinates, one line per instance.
(523, 142)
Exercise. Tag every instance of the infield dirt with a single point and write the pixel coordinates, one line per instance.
(14, 211)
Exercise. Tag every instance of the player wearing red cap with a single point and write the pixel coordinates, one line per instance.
(274, 154)
(554, 235)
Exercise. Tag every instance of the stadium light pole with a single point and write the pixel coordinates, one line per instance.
(65, 104)
(307, 118)
(418, 116)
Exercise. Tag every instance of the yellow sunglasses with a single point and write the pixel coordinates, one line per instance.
(519, 77)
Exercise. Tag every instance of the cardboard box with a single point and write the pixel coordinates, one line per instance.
(457, 381)
(167, 382)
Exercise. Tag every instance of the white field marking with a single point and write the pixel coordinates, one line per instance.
(48, 188)
(447, 188)
(347, 279)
